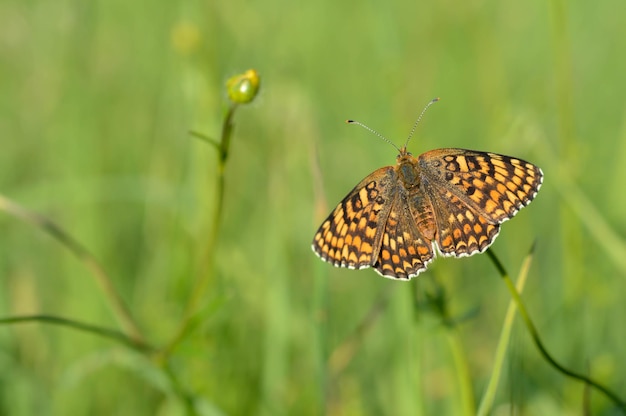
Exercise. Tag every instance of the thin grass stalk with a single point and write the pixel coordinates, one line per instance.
(69, 323)
(241, 89)
(530, 326)
(486, 404)
(104, 282)
(462, 372)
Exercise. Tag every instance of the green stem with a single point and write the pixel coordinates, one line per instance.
(462, 371)
(104, 332)
(207, 265)
(121, 312)
(530, 326)
(486, 404)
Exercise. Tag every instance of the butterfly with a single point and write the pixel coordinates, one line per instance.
(446, 201)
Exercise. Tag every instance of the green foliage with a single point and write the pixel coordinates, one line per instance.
(98, 99)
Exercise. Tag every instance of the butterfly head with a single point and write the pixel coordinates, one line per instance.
(404, 156)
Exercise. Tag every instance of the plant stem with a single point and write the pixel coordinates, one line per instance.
(462, 371)
(207, 269)
(105, 332)
(121, 312)
(486, 404)
(537, 340)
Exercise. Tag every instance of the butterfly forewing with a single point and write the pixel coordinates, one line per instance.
(494, 185)
(352, 234)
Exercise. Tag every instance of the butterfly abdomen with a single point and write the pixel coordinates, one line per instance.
(422, 213)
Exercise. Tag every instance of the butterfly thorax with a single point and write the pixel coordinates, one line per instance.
(407, 169)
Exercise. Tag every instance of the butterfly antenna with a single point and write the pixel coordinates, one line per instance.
(375, 132)
(431, 102)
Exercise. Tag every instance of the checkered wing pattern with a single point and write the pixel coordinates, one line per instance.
(473, 192)
(455, 199)
(462, 231)
(405, 251)
(351, 236)
(494, 185)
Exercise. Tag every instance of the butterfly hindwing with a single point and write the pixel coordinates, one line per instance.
(462, 231)
(405, 251)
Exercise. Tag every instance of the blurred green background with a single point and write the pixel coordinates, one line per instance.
(96, 103)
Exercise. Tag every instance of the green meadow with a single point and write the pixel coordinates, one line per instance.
(145, 270)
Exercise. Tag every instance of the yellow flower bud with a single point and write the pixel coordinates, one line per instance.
(244, 87)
